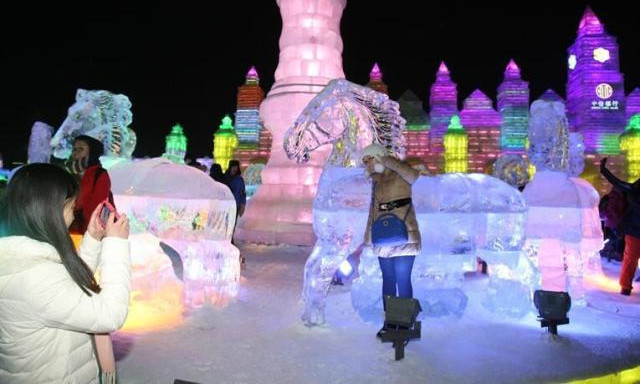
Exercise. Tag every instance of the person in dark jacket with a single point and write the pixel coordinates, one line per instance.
(217, 174)
(95, 184)
(629, 225)
(612, 208)
(236, 184)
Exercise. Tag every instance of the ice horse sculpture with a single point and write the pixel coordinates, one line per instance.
(190, 212)
(563, 232)
(460, 216)
(101, 115)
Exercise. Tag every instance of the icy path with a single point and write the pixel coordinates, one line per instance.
(259, 339)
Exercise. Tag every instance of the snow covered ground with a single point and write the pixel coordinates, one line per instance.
(260, 339)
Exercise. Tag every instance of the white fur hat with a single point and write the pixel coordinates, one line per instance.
(374, 150)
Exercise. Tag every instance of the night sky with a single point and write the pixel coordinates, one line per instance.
(183, 63)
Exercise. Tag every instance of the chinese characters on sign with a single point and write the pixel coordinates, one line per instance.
(605, 105)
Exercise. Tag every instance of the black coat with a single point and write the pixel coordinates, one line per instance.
(630, 222)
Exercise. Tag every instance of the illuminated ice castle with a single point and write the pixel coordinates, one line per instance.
(254, 140)
(596, 104)
(595, 88)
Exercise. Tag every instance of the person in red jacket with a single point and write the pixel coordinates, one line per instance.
(95, 188)
(95, 184)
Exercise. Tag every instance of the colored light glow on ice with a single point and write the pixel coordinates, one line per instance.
(610, 144)
(176, 145)
(628, 376)
(443, 100)
(155, 310)
(630, 146)
(224, 143)
(603, 282)
(513, 105)
(455, 147)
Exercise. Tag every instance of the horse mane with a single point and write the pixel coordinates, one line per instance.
(107, 121)
(385, 119)
(360, 112)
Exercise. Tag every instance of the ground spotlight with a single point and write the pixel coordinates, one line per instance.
(552, 309)
(400, 323)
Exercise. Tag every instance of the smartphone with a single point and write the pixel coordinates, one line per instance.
(106, 209)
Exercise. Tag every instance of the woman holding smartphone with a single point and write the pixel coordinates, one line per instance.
(51, 305)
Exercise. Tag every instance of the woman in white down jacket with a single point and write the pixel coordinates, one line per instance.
(50, 302)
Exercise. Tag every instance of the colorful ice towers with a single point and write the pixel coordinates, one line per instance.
(310, 56)
(630, 147)
(416, 129)
(375, 80)
(254, 141)
(443, 101)
(225, 142)
(175, 145)
(513, 105)
(482, 125)
(455, 143)
(595, 88)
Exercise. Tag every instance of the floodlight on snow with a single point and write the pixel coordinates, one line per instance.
(400, 323)
(552, 309)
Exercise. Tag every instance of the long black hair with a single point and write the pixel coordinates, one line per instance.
(96, 149)
(232, 163)
(32, 206)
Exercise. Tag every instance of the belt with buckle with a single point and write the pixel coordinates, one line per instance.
(391, 205)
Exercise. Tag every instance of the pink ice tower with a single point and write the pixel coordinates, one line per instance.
(310, 56)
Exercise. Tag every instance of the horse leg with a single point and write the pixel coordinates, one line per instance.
(318, 272)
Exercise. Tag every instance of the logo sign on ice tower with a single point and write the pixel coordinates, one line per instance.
(604, 91)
